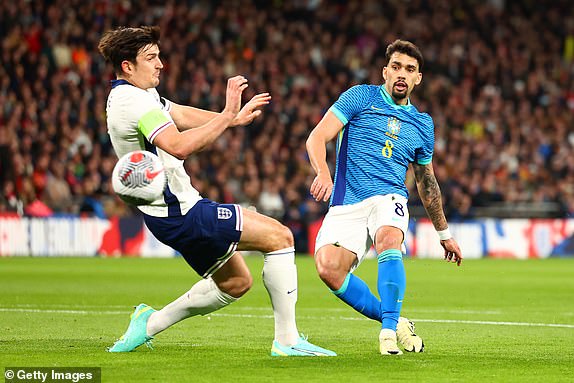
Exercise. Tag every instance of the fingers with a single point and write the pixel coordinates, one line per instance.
(314, 189)
(258, 100)
(449, 256)
(235, 87)
(237, 84)
(237, 81)
(328, 191)
(261, 98)
(452, 251)
(317, 190)
(320, 191)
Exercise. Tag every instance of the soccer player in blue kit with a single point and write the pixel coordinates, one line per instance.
(379, 134)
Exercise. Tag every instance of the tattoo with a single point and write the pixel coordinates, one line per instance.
(429, 191)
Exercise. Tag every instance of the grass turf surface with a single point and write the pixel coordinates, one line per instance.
(489, 320)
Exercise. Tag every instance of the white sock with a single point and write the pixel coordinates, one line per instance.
(203, 298)
(387, 333)
(280, 280)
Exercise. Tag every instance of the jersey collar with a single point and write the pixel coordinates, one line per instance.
(119, 82)
(387, 97)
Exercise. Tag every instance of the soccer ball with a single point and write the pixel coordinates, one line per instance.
(139, 177)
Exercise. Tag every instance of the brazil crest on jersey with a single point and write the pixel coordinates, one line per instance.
(378, 142)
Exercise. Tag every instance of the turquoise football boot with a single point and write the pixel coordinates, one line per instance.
(136, 334)
(302, 348)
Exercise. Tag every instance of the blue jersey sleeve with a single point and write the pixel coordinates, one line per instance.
(423, 155)
(351, 102)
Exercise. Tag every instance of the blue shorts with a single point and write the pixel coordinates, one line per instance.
(207, 236)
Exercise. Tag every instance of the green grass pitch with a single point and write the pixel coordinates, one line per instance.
(487, 321)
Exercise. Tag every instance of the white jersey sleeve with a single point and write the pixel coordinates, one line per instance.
(135, 117)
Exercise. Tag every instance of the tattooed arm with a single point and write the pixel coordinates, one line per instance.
(429, 191)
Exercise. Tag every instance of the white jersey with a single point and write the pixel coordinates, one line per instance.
(135, 117)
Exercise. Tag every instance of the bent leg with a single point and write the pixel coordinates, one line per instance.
(263, 233)
(233, 277)
(227, 285)
(333, 265)
(275, 240)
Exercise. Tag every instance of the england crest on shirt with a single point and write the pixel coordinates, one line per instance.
(223, 213)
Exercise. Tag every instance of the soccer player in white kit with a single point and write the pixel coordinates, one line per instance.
(206, 233)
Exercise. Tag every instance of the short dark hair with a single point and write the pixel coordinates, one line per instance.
(124, 43)
(407, 48)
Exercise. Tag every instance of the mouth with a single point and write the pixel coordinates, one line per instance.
(400, 86)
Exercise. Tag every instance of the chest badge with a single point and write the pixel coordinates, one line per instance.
(393, 128)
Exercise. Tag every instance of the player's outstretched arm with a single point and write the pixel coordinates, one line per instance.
(183, 144)
(188, 117)
(431, 198)
(324, 132)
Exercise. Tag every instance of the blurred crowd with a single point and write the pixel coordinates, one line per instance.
(498, 80)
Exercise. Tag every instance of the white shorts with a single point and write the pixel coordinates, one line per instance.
(354, 226)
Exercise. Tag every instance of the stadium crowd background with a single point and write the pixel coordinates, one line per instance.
(498, 81)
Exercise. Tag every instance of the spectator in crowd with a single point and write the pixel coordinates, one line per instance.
(501, 94)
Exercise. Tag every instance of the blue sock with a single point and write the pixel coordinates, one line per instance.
(356, 294)
(391, 284)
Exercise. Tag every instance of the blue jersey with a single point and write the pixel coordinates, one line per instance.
(378, 142)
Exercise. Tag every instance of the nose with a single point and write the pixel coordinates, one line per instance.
(159, 63)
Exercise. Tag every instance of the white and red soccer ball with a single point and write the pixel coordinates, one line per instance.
(139, 177)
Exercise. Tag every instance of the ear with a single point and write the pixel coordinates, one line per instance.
(419, 78)
(127, 67)
(385, 73)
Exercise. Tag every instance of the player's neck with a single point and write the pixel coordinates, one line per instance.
(401, 102)
(124, 78)
(132, 81)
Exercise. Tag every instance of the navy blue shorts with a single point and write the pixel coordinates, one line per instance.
(207, 236)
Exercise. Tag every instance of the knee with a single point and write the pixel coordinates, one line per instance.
(330, 270)
(282, 237)
(388, 238)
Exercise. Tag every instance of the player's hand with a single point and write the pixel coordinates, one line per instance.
(235, 87)
(322, 187)
(452, 251)
(249, 111)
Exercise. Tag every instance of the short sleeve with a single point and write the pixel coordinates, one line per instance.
(151, 123)
(425, 152)
(153, 114)
(351, 102)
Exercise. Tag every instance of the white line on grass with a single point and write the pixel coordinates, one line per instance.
(410, 310)
(454, 321)
(495, 323)
(51, 311)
